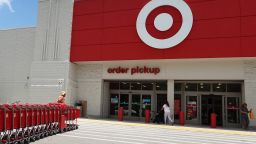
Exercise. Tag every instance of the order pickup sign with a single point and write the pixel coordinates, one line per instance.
(134, 70)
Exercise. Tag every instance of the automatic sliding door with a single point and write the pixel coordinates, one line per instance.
(135, 105)
(114, 100)
(192, 108)
(124, 102)
(146, 103)
(232, 111)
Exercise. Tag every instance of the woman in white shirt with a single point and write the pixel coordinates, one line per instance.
(167, 113)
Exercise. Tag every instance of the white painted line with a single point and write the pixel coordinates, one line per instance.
(100, 139)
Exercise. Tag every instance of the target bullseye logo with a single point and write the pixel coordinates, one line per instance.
(164, 22)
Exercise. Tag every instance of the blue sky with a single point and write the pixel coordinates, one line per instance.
(18, 13)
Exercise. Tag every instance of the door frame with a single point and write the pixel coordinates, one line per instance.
(225, 112)
(213, 94)
(198, 120)
(130, 93)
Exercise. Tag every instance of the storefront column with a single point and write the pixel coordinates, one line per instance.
(170, 94)
(250, 86)
(105, 100)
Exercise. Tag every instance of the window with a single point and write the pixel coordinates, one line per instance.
(204, 87)
(234, 87)
(177, 86)
(114, 100)
(136, 85)
(191, 87)
(219, 87)
(161, 86)
(114, 85)
(191, 107)
(177, 106)
(147, 86)
(124, 85)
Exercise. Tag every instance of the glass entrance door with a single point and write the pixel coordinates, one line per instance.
(146, 103)
(135, 105)
(192, 108)
(211, 104)
(139, 102)
(124, 102)
(232, 111)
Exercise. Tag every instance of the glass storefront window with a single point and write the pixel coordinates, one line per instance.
(135, 111)
(204, 87)
(219, 87)
(177, 106)
(233, 110)
(161, 85)
(161, 99)
(235, 87)
(191, 107)
(146, 103)
(136, 85)
(124, 85)
(114, 85)
(147, 86)
(114, 99)
(124, 102)
(191, 87)
(177, 86)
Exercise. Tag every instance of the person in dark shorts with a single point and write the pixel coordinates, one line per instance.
(244, 116)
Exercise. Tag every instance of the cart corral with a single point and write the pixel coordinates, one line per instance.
(27, 123)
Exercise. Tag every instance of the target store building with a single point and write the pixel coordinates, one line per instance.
(136, 54)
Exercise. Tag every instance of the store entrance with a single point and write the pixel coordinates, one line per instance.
(135, 97)
(211, 104)
(134, 104)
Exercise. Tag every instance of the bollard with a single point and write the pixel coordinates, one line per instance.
(182, 118)
(213, 120)
(120, 113)
(147, 116)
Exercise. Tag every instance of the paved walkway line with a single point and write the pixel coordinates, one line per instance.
(193, 129)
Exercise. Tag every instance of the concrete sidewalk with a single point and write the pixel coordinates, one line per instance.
(93, 131)
(193, 128)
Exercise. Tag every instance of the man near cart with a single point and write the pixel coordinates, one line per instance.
(61, 98)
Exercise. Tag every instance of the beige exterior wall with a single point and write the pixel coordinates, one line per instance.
(51, 71)
(90, 76)
(16, 52)
(250, 85)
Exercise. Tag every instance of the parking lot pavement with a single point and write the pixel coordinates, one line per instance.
(113, 132)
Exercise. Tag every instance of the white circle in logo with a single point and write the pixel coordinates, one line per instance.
(163, 25)
(163, 22)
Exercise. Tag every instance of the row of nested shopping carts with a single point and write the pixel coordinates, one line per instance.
(22, 124)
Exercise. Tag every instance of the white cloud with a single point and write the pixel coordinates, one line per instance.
(7, 3)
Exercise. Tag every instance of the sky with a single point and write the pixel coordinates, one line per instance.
(18, 13)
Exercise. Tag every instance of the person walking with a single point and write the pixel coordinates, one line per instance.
(244, 116)
(167, 113)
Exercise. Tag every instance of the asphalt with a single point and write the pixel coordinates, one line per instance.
(113, 132)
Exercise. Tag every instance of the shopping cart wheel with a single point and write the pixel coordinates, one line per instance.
(22, 142)
(32, 139)
(41, 135)
(27, 141)
(37, 137)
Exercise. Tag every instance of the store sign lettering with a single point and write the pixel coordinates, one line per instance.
(134, 70)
